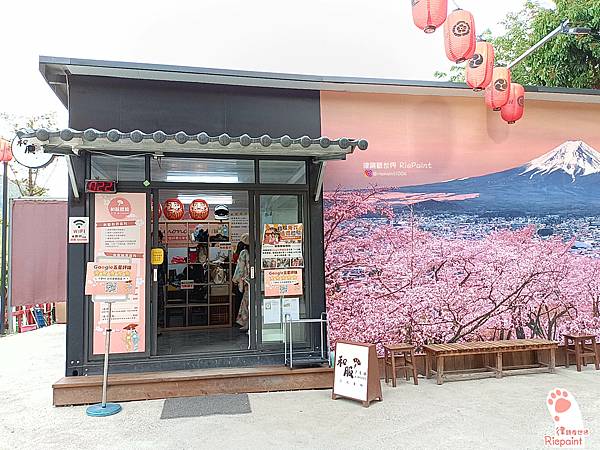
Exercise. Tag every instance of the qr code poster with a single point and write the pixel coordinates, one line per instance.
(110, 279)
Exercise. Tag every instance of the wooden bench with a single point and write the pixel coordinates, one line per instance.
(441, 351)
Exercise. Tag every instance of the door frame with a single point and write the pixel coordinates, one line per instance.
(256, 250)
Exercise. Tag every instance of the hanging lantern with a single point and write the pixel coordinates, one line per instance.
(480, 67)
(498, 91)
(513, 110)
(199, 209)
(5, 151)
(173, 209)
(459, 36)
(428, 15)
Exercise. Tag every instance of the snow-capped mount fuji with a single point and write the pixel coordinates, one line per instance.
(575, 158)
(565, 181)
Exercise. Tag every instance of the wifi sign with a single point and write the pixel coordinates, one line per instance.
(79, 230)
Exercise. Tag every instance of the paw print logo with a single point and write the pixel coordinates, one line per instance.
(501, 84)
(521, 101)
(461, 28)
(476, 61)
(368, 173)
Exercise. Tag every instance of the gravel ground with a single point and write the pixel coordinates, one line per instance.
(509, 414)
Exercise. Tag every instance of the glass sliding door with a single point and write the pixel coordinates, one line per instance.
(281, 259)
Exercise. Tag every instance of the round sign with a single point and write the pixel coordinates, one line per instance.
(30, 155)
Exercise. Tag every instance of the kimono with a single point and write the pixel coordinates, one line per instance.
(241, 275)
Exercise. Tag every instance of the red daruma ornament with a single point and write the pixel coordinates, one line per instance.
(199, 209)
(480, 67)
(428, 15)
(173, 209)
(459, 36)
(498, 91)
(513, 110)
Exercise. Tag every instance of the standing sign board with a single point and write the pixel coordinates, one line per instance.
(356, 374)
(109, 281)
(79, 230)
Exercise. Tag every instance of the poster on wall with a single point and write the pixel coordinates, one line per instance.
(282, 246)
(120, 232)
(280, 282)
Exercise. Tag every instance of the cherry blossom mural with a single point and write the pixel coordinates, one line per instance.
(417, 254)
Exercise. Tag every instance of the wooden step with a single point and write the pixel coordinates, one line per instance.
(189, 383)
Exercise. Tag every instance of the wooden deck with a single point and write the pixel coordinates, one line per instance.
(189, 383)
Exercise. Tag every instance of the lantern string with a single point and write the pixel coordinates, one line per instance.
(455, 4)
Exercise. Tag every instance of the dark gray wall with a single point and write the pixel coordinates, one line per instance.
(106, 103)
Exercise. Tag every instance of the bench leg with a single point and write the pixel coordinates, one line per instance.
(578, 356)
(552, 365)
(440, 369)
(393, 369)
(499, 365)
(428, 365)
(385, 365)
(414, 366)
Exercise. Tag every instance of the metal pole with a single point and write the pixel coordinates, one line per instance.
(563, 27)
(106, 353)
(3, 311)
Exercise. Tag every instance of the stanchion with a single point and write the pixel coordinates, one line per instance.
(105, 409)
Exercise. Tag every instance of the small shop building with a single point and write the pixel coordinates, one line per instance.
(194, 162)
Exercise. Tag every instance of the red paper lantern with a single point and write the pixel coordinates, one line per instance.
(173, 209)
(199, 209)
(480, 67)
(498, 91)
(5, 151)
(459, 36)
(513, 110)
(428, 15)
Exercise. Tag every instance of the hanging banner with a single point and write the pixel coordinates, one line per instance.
(283, 282)
(120, 232)
(282, 246)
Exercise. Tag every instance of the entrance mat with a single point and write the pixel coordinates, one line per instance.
(208, 405)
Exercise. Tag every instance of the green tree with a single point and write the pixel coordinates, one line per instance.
(565, 61)
(27, 180)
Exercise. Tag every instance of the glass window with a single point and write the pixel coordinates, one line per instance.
(282, 172)
(194, 170)
(118, 168)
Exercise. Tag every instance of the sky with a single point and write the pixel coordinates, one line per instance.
(321, 37)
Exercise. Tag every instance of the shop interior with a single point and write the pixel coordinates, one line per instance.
(198, 302)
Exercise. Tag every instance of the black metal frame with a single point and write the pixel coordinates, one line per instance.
(80, 358)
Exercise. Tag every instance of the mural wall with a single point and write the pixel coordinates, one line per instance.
(456, 226)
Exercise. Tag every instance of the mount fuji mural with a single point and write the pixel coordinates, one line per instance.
(564, 181)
